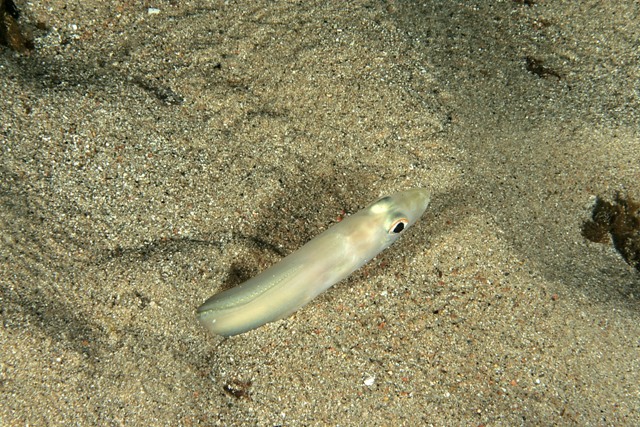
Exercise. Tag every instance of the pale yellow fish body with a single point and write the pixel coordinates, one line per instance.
(301, 276)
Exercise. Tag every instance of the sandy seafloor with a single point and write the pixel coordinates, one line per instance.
(150, 160)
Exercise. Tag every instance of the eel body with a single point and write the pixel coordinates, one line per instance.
(325, 260)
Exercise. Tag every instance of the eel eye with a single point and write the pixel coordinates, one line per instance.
(398, 226)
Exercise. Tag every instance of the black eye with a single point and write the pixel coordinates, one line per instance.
(398, 226)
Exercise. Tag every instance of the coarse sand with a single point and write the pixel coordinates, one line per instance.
(154, 153)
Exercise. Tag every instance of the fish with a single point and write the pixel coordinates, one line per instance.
(325, 260)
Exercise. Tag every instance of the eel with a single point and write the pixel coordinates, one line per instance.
(325, 260)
